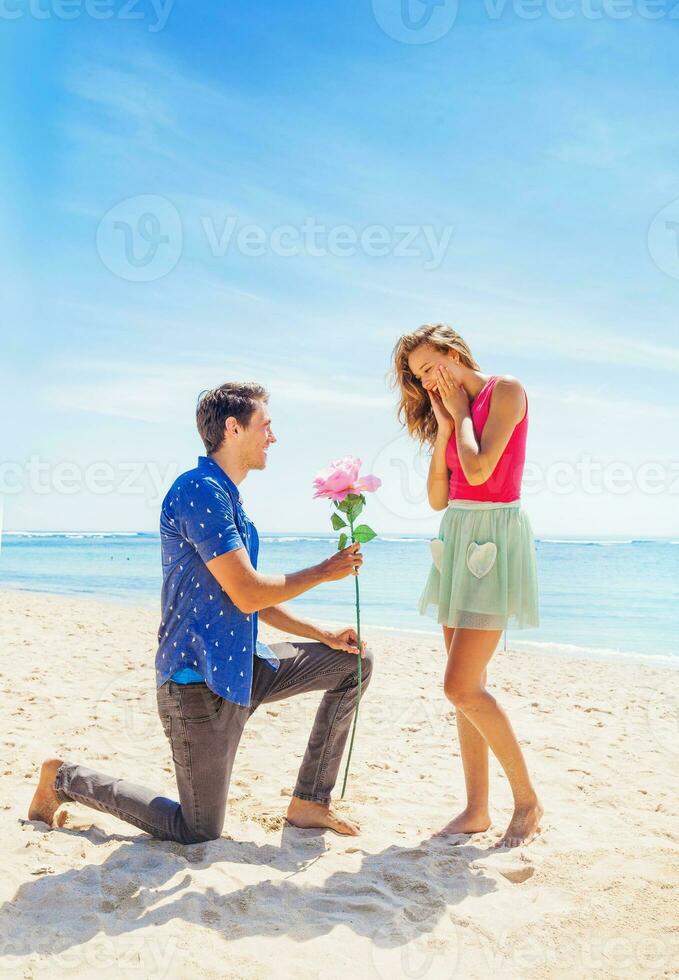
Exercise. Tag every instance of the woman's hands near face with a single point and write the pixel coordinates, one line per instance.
(452, 395)
(443, 418)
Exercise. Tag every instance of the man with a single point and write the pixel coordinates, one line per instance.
(211, 671)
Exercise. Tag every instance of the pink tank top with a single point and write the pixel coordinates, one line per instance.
(504, 483)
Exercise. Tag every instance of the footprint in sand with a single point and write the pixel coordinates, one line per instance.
(518, 875)
(269, 821)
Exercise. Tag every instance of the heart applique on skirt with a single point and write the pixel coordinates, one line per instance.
(436, 546)
(481, 558)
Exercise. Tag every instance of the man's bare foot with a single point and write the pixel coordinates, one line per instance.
(523, 826)
(306, 813)
(467, 822)
(45, 802)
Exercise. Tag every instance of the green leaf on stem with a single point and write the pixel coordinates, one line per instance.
(354, 506)
(337, 522)
(342, 543)
(349, 501)
(364, 533)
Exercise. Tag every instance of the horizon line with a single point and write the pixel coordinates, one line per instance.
(555, 536)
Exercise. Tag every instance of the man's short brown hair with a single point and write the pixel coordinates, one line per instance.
(216, 405)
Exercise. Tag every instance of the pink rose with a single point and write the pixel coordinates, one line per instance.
(339, 481)
(341, 478)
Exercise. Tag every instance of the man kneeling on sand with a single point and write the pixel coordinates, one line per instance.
(211, 671)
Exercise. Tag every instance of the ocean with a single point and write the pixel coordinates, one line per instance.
(607, 598)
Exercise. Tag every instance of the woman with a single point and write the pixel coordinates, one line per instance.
(483, 577)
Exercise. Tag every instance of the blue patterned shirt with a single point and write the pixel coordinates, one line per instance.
(202, 517)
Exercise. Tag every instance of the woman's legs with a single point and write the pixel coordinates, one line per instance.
(474, 751)
(464, 685)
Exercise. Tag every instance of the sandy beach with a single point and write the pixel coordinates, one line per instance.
(593, 896)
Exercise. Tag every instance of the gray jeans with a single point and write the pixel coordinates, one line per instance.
(204, 730)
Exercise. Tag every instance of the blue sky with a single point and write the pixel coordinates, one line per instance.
(526, 159)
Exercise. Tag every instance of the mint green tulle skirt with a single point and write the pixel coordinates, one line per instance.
(484, 571)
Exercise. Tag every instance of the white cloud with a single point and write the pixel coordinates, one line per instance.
(616, 408)
(162, 393)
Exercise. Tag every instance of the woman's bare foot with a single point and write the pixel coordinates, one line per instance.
(467, 822)
(523, 826)
(306, 813)
(45, 802)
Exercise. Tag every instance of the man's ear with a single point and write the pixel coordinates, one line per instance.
(231, 426)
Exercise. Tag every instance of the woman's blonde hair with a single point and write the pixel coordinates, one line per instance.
(414, 408)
